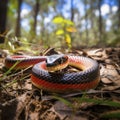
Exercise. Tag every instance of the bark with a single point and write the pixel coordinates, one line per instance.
(118, 14)
(72, 11)
(86, 21)
(100, 21)
(92, 14)
(36, 9)
(18, 22)
(3, 19)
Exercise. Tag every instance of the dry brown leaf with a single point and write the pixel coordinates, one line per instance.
(96, 52)
(50, 115)
(111, 88)
(28, 85)
(106, 81)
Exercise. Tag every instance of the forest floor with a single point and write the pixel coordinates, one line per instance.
(19, 100)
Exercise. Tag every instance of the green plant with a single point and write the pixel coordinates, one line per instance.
(76, 102)
(64, 29)
(11, 73)
(15, 44)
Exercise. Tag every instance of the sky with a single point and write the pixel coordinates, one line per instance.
(105, 9)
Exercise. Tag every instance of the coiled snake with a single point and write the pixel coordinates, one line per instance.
(44, 76)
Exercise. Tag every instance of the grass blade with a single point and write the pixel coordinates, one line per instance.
(99, 101)
(111, 114)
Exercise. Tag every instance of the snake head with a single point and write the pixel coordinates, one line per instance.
(56, 62)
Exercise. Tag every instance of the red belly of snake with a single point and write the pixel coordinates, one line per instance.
(86, 79)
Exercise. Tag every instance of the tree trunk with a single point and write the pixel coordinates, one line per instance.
(118, 14)
(100, 22)
(3, 19)
(72, 11)
(18, 22)
(86, 21)
(36, 9)
(92, 14)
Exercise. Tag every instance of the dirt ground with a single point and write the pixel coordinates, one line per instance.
(20, 100)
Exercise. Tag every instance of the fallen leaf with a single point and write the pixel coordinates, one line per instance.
(106, 81)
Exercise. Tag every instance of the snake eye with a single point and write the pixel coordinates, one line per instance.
(64, 59)
(57, 62)
(61, 60)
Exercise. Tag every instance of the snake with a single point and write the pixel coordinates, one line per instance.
(48, 72)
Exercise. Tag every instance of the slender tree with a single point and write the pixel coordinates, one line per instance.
(72, 11)
(3, 19)
(86, 20)
(36, 11)
(93, 18)
(100, 21)
(18, 23)
(92, 14)
(118, 14)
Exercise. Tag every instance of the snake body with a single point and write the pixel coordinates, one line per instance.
(86, 79)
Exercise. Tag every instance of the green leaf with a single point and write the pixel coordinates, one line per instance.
(68, 40)
(68, 22)
(111, 114)
(12, 68)
(58, 20)
(65, 101)
(59, 32)
(11, 46)
(99, 101)
(71, 29)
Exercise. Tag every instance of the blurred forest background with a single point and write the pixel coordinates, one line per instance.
(57, 23)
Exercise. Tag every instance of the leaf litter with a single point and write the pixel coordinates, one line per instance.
(19, 100)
